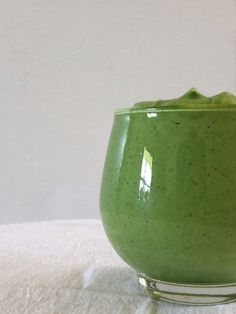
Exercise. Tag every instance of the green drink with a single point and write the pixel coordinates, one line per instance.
(168, 196)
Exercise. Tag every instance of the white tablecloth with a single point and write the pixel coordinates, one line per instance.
(70, 267)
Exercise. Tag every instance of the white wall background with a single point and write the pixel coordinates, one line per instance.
(66, 65)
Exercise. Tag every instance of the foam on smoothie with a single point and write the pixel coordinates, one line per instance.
(191, 100)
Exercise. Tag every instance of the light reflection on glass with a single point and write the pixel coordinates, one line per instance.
(151, 114)
(145, 176)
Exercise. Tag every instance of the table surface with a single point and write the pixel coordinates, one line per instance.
(70, 267)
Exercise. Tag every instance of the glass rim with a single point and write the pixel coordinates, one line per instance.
(157, 110)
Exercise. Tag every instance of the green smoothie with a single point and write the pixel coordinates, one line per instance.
(168, 194)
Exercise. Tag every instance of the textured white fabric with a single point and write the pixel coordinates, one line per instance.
(69, 267)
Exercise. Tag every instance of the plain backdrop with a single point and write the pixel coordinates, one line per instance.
(66, 65)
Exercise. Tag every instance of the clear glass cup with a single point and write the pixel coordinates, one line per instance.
(168, 201)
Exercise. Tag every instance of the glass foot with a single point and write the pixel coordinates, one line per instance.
(187, 293)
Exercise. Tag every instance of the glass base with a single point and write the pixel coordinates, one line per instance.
(188, 294)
